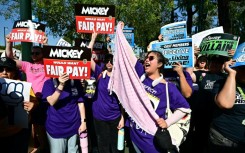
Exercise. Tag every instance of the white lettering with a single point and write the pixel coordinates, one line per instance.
(66, 53)
(95, 10)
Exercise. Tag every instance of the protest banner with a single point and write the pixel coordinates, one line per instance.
(197, 38)
(176, 51)
(174, 31)
(99, 51)
(218, 44)
(73, 60)
(100, 18)
(13, 94)
(27, 31)
(239, 56)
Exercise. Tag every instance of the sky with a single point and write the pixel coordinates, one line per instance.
(9, 24)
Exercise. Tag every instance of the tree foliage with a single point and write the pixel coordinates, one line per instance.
(146, 16)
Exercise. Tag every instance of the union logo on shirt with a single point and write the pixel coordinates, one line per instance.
(209, 84)
(37, 70)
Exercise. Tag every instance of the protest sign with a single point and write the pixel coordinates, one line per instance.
(27, 31)
(218, 44)
(99, 51)
(73, 60)
(174, 31)
(13, 94)
(129, 35)
(239, 56)
(197, 38)
(100, 18)
(63, 42)
(176, 51)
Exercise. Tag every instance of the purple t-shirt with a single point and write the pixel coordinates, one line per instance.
(105, 106)
(172, 76)
(63, 119)
(158, 98)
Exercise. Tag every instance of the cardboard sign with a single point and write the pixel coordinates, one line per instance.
(218, 44)
(174, 31)
(101, 18)
(73, 60)
(197, 38)
(239, 56)
(27, 31)
(13, 94)
(63, 42)
(176, 51)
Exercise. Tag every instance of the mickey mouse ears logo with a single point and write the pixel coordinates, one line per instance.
(239, 56)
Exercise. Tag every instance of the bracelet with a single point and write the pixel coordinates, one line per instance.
(84, 120)
(58, 90)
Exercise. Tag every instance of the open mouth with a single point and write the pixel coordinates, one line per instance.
(147, 65)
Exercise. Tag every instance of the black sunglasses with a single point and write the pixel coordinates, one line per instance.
(150, 58)
(7, 69)
(35, 53)
(107, 60)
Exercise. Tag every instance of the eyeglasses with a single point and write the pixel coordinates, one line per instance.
(150, 58)
(108, 60)
(35, 53)
(7, 69)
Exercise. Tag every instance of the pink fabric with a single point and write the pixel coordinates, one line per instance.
(35, 74)
(126, 84)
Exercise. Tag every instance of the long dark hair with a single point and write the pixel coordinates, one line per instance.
(160, 59)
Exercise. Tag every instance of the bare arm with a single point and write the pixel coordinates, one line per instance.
(184, 86)
(55, 96)
(226, 97)
(190, 70)
(83, 125)
(9, 51)
(91, 44)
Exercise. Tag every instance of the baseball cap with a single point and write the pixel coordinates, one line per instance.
(7, 62)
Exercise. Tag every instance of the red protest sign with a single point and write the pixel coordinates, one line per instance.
(86, 24)
(26, 35)
(27, 31)
(101, 18)
(73, 60)
(75, 69)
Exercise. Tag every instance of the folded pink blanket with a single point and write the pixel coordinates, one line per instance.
(126, 84)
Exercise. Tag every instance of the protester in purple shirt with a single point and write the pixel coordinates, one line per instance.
(155, 85)
(66, 113)
(107, 113)
(108, 117)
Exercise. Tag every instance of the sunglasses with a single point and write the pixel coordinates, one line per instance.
(7, 69)
(108, 60)
(35, 53)
(150, 58)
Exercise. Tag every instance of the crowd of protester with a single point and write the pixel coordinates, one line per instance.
(59, 111)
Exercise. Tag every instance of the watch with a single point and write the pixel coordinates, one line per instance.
(84, 120)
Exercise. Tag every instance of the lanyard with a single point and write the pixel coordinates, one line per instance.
(241, 92)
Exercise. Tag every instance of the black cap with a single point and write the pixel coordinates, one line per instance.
(7, 62)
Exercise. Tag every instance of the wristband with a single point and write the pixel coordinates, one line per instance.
(62, 84)
(84, 120)
(58, 90)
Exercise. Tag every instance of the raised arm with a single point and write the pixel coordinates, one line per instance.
(226, 97)
(184, 86)
(55, 96)
(91, 44)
